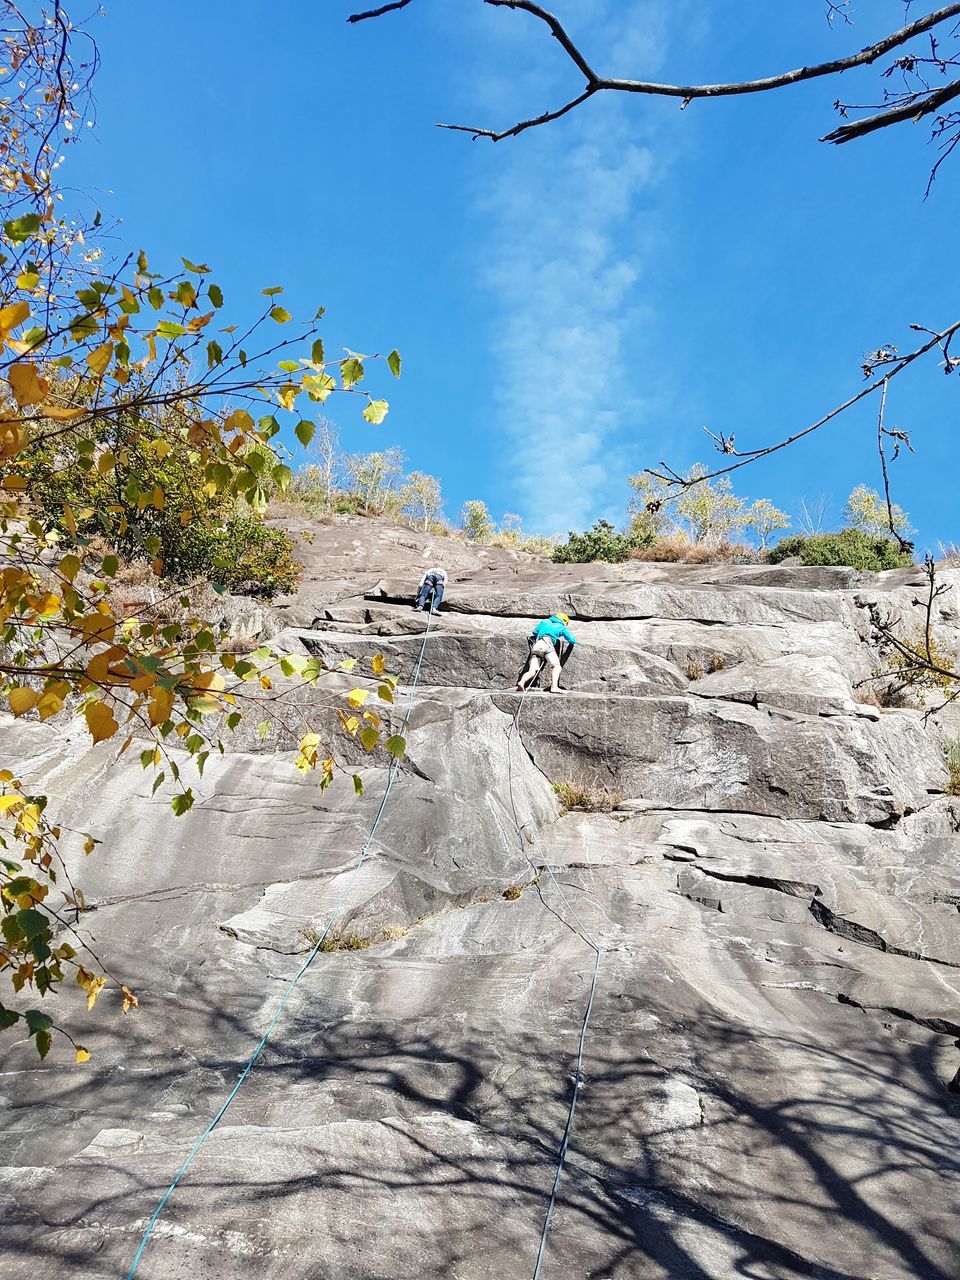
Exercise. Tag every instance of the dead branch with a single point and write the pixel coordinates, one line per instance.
(747, 456)
(596, 83)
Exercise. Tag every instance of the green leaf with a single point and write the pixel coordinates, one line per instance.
(214, 354)
(156, 298)
(316, 352)
(280, 314)
(215, 294)
(110, 566)
(233, 719)
(32, 923)
(8, 1017)
(20, 229)
(44, 1041)
(81, 327)
(289, 366)
(169, 330)
(351, 371)
(304, 432)
(263, 728)
(180, 804)
(142, 263)
(397, 745)
(369, 737)
(393, 360)
(33, 337)
(192, 267)
(358, 784)
(376, 411)
(385, 693)
(37, 1021)
(272, 293)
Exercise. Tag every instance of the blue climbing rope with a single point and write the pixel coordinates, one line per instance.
(597, 949)
(391, 779)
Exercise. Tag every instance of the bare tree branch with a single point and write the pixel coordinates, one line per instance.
(914, 109)
(378, 13)
(596, 83)
(745, 457)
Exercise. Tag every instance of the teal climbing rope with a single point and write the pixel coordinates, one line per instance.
(597, 949)
(391, 779)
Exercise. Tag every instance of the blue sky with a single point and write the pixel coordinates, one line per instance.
(580, 302)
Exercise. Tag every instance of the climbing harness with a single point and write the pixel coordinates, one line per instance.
(391, 779)
(588, 1010)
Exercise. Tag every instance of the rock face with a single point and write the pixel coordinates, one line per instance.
(767, 1068)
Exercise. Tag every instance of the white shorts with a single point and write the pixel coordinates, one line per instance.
(544, 648)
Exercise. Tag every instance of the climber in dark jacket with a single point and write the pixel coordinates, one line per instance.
(546, 639)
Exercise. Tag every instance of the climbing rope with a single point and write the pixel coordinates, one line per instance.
(597, 949)
(391, 779)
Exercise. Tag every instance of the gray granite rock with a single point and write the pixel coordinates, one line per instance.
(767, 1068)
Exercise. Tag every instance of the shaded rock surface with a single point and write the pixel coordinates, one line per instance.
(775, 1028)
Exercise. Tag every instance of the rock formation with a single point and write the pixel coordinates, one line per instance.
(768, 1065)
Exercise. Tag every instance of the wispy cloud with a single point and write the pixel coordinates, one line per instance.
(565, 245)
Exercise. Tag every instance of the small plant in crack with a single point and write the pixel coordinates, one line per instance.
(953, 767)
(512, 892)
(592, 799)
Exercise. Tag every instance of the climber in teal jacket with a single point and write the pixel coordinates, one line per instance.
(546, 638)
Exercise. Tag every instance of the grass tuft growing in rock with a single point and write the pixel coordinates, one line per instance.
(575, 795)
(953, 767)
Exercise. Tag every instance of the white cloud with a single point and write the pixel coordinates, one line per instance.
(563, 251)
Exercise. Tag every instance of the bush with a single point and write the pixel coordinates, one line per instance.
(602, 542)
(248, 557)
(184, 530)
(677, 548)
(851, 547)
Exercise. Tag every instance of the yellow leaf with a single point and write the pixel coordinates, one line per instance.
(99, 359)
(130, 1001)
(22, 700)
(30, 818)
(378, 664)
(61, 413)
(207, 704)
(48, 704)
(348, 664)
(8, 802)
(27, 385)
(83, 1055)
(13, 315)
(158, 498)
(93, 987)
(106, 462)
(89, 844)
(13, 439)
(161, 704)
(14, 482)
(357, 697)
(100, 721)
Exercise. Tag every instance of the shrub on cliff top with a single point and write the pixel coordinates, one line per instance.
(851, 547)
